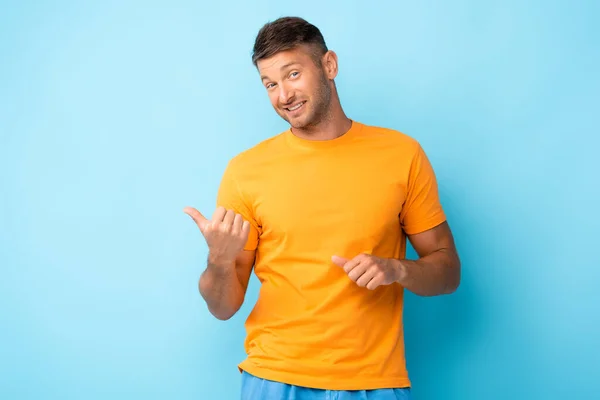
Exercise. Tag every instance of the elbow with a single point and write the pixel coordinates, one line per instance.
(223, 312)
(222, 308)
(454, 280)
(222, 316)
(452, 287)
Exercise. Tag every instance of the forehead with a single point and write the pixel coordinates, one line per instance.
(300, 55)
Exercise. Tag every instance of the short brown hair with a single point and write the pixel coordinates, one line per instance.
(287, 33)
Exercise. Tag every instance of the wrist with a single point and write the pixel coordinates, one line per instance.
(401, 270)
(219, 262)
(217, 258)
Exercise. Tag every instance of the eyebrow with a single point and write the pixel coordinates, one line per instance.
(263, 77)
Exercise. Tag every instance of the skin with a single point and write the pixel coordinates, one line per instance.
(224, 282)
(291, 78)
(294, 76)
(436, 272)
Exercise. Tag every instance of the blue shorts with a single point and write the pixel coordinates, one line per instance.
(254, 388)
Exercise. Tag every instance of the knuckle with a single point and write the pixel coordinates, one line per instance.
(223, 228)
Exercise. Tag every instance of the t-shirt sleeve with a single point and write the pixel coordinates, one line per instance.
(233, 198)
(422, 208)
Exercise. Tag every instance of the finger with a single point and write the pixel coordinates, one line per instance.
(245, 229)
(228, 219)
(197, 216)
(238, 220)
(366, 277)
(375, 282)
(219, 214)
(339, 261)
(358, 271)
(351, 265)
(360, 259)
(371, 273)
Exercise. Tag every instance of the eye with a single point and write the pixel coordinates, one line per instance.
(294, 74)
(269, 85)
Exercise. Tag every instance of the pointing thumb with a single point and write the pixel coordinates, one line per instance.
(197, 216)
(339, 261)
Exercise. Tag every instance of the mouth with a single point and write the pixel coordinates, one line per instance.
(295, 107)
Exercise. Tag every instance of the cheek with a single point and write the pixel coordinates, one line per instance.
(273, 98)
(312, 89)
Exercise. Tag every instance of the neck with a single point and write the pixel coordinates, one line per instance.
(334, 124)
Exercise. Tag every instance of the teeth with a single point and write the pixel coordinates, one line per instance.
(296, 107)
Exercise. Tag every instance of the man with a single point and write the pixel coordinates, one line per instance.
(322, 212)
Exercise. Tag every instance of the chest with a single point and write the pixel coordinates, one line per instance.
(313, 200)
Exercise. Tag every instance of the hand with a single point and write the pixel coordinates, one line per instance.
(226, 233)
(370, 271)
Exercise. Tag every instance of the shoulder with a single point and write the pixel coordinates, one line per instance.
(257, 153)
(392, 137)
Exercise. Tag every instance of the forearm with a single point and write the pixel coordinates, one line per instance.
(435, 274)
(221, 289)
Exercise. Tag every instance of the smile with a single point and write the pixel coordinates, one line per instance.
(296, 107)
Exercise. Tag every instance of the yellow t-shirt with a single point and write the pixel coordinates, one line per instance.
(306, 201)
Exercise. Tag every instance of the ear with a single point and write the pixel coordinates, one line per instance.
(330, 64)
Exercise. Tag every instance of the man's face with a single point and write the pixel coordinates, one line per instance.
(299, 90)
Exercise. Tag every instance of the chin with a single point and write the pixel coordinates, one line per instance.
(301, 123)
(298, 124)
(304, 121)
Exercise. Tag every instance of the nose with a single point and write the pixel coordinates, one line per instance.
(285, 94)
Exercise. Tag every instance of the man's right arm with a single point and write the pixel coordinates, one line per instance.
(223, 283)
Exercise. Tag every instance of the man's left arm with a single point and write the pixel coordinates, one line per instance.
(437, 270)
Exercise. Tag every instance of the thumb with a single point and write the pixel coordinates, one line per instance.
(339, 261)
(197, 216)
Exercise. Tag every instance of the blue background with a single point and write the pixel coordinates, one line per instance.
(116, 115)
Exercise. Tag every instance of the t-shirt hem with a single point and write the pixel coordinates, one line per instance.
(326, 383)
